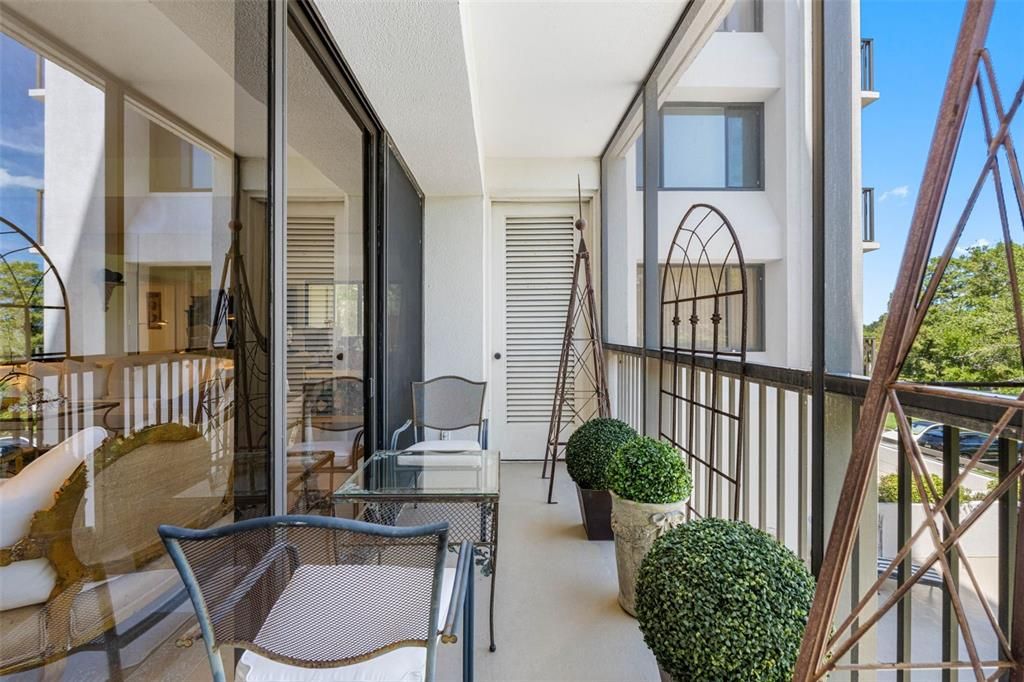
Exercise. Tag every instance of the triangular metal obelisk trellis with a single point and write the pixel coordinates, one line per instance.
(582, 358)
(827, 642)
(235, 315)
(704, 321)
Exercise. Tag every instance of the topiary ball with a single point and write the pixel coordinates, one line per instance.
(649, 471)
(722, 600)
(590, 449)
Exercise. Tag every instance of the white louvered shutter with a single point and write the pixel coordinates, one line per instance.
(310, 275)
(539, 256)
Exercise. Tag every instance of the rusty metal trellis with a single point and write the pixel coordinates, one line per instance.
(826, 642)
(582, 357)
(24, 298)
(704, 313)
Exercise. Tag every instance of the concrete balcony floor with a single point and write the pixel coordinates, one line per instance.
(557, 617)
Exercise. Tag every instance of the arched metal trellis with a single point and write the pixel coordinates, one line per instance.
(704, 321)
(25, 268)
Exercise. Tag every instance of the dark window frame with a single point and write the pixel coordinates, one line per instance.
(756, 107)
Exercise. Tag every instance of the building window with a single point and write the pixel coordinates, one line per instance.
(712, 146)
(730, 331)
(177, 165)
(745, 17)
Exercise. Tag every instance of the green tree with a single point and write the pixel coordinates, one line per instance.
(21, 293)
(969, 331)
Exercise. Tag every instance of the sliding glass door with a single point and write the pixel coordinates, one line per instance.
(326, 281)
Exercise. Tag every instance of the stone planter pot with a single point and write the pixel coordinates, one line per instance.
(596, 510)
(665, 677)
(636, 526)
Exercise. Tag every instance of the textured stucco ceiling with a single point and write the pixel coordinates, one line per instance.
(410, 59)
(457, 82)
(553, 78)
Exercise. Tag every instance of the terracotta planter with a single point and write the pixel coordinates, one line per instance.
(596, 510)
(636, 526)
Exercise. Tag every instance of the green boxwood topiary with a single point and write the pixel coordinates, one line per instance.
(722, 600)
(590, 449)
(649, 471)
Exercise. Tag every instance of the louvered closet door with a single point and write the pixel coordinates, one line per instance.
(311, 299)
(537, 248)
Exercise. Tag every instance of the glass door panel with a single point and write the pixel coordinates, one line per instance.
(325, 328)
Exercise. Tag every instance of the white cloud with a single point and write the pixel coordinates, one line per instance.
(8, 180)
(26, 139)
(900, 192)
(980, 243)
(24, 147)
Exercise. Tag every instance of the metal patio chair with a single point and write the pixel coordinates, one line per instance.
(446, 404)
(313, 592)
(332, 427)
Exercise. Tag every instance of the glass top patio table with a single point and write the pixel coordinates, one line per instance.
(424, 475)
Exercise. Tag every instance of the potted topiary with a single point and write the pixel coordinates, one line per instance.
(650, 484)
(587, 454)
(722, 600)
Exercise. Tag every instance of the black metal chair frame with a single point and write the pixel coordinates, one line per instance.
(460, 608)
(419, 425)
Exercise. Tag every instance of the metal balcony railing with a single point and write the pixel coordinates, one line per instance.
(782, 494)
(867, 212)
(867, 64)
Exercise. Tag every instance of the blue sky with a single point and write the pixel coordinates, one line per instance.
(913, 46)
(21, 135)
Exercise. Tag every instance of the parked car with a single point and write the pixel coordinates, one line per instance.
(931, 437)
(917, 426)
(12, 444)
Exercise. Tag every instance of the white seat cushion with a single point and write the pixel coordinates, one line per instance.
(406, 664)
(456, 460)
(445, 446)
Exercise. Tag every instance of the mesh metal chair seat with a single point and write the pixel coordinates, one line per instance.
(446, 404)
(315, 593)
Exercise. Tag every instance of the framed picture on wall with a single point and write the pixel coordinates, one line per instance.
(154, 310)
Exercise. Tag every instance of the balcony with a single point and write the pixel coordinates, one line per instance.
(256, 251)
(868, 93)
(867, 213)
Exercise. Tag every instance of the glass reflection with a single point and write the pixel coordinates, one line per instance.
(326, 289)
(133, 320)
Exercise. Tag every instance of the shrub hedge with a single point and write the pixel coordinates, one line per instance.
(650, 471)
(590, 449)
(721, 600)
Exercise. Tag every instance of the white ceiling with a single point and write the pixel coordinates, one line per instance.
(410, 60)
(553, 78)
(457, 82)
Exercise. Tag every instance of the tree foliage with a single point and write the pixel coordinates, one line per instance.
(969, 331)
(21, 292)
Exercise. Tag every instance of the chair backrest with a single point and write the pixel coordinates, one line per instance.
(313, 591)
(339, 397)
(448, 403)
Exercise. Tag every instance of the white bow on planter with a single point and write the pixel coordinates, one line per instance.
(666, 521)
